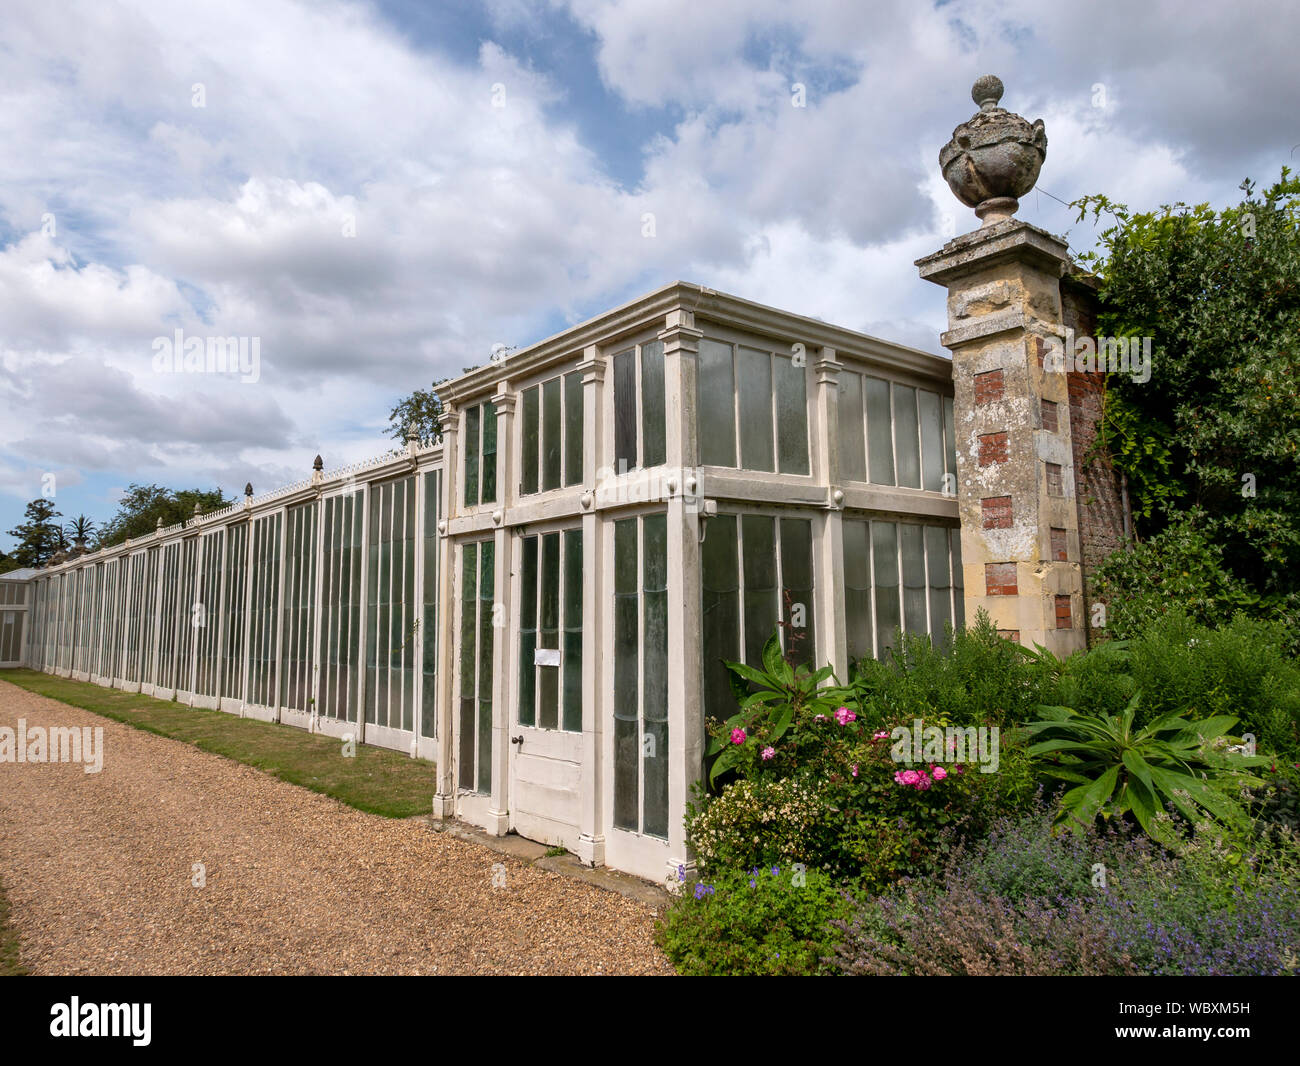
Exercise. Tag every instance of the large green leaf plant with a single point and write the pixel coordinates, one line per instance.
(1117, 768)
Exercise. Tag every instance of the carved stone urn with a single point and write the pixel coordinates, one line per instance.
(994, 157)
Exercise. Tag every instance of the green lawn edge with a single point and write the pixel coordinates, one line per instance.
(10, 964)
(374, 780)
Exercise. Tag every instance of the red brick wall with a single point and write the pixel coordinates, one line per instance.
(1101, 520)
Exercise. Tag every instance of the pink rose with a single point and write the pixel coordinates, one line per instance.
(940, 773)
(738, 735)
(898, 777)
(769, 753)
(923, 781)
(910, 777)
(844, 716)
(855, 769)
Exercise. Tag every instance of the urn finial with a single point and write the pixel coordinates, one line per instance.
(987, 91)
(994, 157)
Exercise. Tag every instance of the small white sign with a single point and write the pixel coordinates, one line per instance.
(547, 657)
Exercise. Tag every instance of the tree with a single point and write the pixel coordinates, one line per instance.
(40, 536)
(422, 410)
(142, 505)
(80, 529)
(1211, 444)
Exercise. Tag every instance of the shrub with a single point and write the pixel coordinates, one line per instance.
(1029, 901)
(761, 822)
(850, 817)
(961, 933)
(1177, 569)
(1243, 668)
(978, 679)
(768, 921)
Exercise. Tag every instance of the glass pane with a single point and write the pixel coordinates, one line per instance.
(797, 590)
(880, 432)
(489, 453)
(472, 416)
(654, 535)
(625, 411)
(531, 430)
(907, 447)
(791, 415)
(720, 581)
(548, 691)
(486, 596)
(958, 581)
(950, 444)
(937, 562)
(715, 405)
(573, 422)
(549, 631)
(571, 714)
(551, 424)
(758, 549)
(468, 632)
(430, 620)
(884, 556)
(853, 439)
(912, 548)
(626, 662)
(932, 459)
(857, 591)
(755, 395)
(653, 423)
(528, 632)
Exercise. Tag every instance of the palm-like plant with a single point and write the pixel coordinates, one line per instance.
(80, 529)
(1117, 768)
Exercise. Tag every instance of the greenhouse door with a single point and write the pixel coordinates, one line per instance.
(546, 720)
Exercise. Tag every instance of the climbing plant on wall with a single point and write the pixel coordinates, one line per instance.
(1211, 443)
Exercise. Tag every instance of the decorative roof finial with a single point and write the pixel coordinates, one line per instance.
(318, 463)
(248, 489)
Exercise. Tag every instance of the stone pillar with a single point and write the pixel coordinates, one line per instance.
(1015, 464)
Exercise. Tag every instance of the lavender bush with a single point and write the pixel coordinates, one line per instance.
(1026, 901)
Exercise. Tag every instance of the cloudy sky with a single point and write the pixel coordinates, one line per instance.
(381, 191)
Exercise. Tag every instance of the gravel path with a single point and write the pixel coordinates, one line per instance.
(98, 869)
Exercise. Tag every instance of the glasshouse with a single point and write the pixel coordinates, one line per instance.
(541, 601)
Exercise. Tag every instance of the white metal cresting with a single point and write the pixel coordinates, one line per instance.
(541, 601)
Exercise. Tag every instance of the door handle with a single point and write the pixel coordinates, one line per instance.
(517, 740)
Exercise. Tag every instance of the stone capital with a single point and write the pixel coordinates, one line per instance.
(1011, 242)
